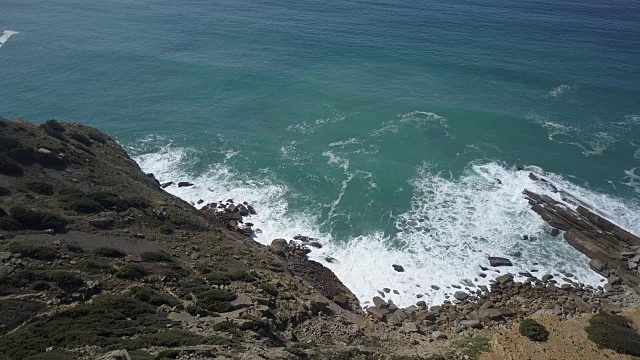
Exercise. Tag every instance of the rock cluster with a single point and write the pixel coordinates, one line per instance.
(614, 252)
(503, 301)
(230, 215)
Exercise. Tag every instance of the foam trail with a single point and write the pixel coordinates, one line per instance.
(560, 90)
(6, 35)
(451, 227)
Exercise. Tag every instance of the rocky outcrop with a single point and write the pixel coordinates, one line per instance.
(612, 250)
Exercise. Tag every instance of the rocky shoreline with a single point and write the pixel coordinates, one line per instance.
(470, 308)
(97, 260)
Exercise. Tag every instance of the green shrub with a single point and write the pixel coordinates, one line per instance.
(533, 330)
(38, 220)
(95, 135)
(614, 332)
(156, 257)
(228, 327)
(225, 278)
(4, 191)
(168, 338)
(83, 205)
(153, 297)
(296, 351)
(95, 266)
(10, 167)
(40, 187)
(131, 272)
(67, 281)
(109, 252)
(168, 354)
(56, 354)
(53, 125)
(102, 323)
(215, 300)
(23, 154)
(137, 202)
(35, 252)
(51, 160)
(9, 224)
(75, 248)
(40, 285)
(166, 229)
(80, 138)
(8, 142)
(269, 289)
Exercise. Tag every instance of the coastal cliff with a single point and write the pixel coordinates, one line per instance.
(98, 261)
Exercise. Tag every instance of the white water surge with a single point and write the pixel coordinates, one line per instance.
(449, 230)
(6, 35)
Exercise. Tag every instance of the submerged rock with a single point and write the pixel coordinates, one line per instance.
(398, 268)
(499, 261)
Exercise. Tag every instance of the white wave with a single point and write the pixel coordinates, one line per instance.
(560, 90)
(6, 35)
(308, 127)
(632, 179)
(344, 143)
(590, 142)
(419, 119)
(449, 230)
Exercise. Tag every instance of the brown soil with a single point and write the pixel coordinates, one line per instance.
(567, 341)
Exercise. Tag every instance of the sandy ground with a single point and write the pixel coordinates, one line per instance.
(567, 341)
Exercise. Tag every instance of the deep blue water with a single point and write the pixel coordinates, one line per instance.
(378, 126)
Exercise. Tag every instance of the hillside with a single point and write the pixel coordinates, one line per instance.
(97, 260)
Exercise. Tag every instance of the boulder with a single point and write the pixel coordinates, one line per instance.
(597, 265)
(378, 302)
(167, 184)
(279, 246)
(499, 261)
(490, 313)
(184, 184)
(393, 319)
(398, 268)
(472, 324)
(377, 313)
(610, 307)
(460, 295)
(503, 279)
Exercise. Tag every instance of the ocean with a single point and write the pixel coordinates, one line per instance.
(379, 127)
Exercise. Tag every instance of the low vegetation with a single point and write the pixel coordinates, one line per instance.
(156, 257)
(614, 332)
(109, 252)
(533, 330)
(131, 272)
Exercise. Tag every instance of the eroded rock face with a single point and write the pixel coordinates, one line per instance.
(604, 242)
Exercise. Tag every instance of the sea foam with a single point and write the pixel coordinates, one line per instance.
(6, 35)
(450, 228)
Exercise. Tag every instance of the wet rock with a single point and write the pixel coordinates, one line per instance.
(504, 279)
(184, 184)
(597, 265)
(499, 261)
(547, 277)
(167, 184)
(435, 287)
(614, 280)
(460, 295)
(398, 268)
(330, 260)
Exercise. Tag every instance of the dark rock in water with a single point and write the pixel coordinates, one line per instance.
(435, 287)
(251, 210)
(396, 292)
(460, 295)
(387, 290)
(526, 274)
(200, 201)
(499, 261)
(315, 244)
(499, 181)
(547, 277)
(153, 178)
(398, 268)
(330, 260)
(554, 232)
(504, 279)
(519, 168)
(184, 184)
(230, 201)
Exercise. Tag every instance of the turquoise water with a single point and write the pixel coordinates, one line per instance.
(378, 126)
